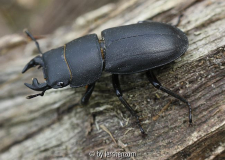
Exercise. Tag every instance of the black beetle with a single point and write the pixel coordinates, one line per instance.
(122, 50)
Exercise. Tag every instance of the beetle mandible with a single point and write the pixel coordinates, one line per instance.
(122, 50)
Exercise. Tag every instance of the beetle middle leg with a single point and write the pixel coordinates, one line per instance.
(116, 86)
(152, 78)
(87, 95)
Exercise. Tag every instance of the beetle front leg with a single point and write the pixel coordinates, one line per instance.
(116, 86)
(152, 78)
(87, 95)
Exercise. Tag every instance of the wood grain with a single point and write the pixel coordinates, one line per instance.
(56, 126)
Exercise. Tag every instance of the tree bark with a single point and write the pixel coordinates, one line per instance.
(56, 126)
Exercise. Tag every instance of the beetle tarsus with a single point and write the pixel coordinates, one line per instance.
(153, 80)
(87, 95)
(116, 86)
(190, 114)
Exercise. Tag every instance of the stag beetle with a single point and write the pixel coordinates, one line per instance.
(122, 50)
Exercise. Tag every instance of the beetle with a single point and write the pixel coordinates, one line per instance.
(126, 49)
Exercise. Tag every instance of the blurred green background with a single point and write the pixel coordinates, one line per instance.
(42, 16)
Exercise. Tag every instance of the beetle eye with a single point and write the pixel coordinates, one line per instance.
(60, 84)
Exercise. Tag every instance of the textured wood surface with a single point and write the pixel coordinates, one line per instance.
(56, 126)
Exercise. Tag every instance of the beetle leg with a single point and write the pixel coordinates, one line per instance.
(116, 86)
(87, 95)
(152, 78)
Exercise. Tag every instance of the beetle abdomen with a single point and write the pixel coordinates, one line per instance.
(143, 46)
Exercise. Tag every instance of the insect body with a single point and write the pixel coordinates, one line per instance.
(122, 50)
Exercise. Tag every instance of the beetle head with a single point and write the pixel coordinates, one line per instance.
(56, 76)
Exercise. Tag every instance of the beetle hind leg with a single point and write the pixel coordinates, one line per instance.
(153, 80)
(87, 95)
(116, 86)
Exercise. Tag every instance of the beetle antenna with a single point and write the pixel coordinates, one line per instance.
(30, 35)
(178, 21)
(35, 95)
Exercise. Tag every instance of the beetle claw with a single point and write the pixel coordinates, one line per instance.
(37, 86)
(37, 61)
(34, 62)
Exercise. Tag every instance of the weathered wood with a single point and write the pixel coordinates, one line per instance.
(56, 126)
